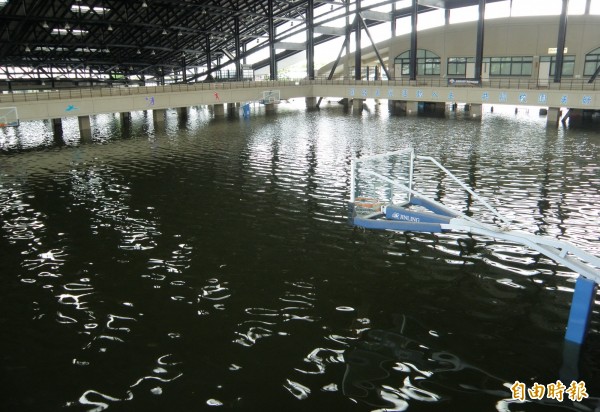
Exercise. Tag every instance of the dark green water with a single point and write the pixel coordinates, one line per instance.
(210, 265)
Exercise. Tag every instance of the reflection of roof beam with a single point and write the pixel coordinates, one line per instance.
(290, 46)
(333, 31)
(376, 15)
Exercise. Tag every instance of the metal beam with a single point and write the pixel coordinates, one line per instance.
(310, 40)
(357, 52)
(375, 48)
(332, 31)
(596, 73)
(393, 27)
(376, 15)
(345, 45)
(272, 57)
(291, 46)
(560, 44)
(413, 40)
(479, 47)
(238, 63)
(208, 55)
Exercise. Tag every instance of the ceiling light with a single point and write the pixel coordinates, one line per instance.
(138, 51)
(67, 26)
(45, 24)
(27, 49)
(110, 28)
(180, 33)
(153, 52)
(144, 4)
(164, 31)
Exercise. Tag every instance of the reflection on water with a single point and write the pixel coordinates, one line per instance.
(208, 263)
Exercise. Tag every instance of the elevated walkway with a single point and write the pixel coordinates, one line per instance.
(391, 203)
(91, 101)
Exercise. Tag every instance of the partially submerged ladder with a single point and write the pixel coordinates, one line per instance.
(380, 202)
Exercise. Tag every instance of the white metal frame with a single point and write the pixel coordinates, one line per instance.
(562, 252)
(4, 116)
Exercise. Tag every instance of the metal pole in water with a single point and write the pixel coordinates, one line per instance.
(581, 310)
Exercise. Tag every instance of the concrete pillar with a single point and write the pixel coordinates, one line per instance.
(158, 116)
(57, 130)
(357, 104)
(311, 103)
(397, 106)
(440, 108)
(125, 124)
(219, 110)
(344, 102)
(85, 130)
(182, 113)
(476, 110)
(412, 108)
(270, 107)
(125, 118)
(230, 107)
(553, 116)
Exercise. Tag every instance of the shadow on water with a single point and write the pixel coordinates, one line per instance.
(406, 367)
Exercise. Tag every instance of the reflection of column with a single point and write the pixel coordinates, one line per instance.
(357, 104)
(311, 102)
(85, 130)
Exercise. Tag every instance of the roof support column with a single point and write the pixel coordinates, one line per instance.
(480, 32)
(413, 40)
(238, 66)
(272, 57)
(208, 55)
(588, 4)
(310, 40)
(393, 28)
(560, 44)
(357, 52)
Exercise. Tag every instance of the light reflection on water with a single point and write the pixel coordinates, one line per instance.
(209, 263)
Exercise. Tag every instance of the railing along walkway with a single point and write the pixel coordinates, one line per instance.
(496, 83)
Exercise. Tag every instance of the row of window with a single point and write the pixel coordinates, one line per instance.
(429, 63)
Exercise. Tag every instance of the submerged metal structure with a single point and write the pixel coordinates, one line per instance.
(382, 202)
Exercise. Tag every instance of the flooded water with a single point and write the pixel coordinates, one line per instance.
(209, 264)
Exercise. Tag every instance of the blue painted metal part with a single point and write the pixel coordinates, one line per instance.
(581, 310)
(417, 201)
(402, 214)
(397, 225)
